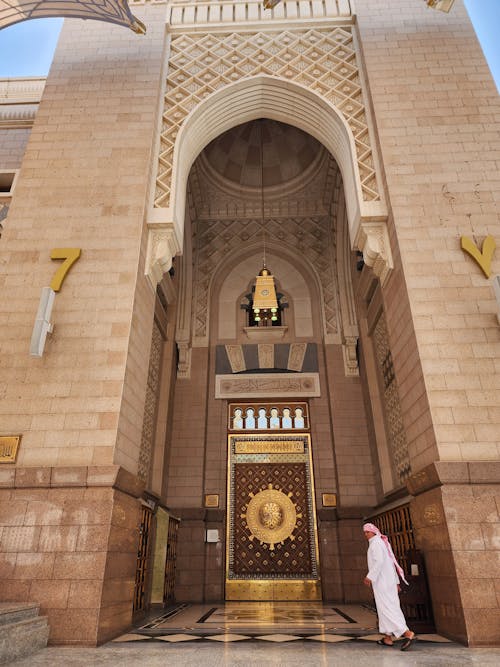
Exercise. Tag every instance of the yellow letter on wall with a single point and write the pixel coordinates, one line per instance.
(484, 257)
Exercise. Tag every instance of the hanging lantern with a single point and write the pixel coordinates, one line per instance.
(265, 303)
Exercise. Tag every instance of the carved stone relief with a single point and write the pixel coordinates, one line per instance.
(323, 60)
(267, 386)
(215, 240)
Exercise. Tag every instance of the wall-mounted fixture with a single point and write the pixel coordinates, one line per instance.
(43, 325)
(496, 289)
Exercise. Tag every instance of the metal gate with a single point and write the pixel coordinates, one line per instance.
(170, 560)
(415, 598)
(142, 569)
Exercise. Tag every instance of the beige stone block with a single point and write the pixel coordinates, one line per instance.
(465, 537)
(7, 477)
(92, 538)
(58, 538)
(34, 566)
(84, 594)
(70, 626)
(51, 594)
(68, 476)
(43, 512)
(19, 538)
(85, 512)
(79, 565)
(491, 535)
(477, 564)
(32, 477)
(485, 451)
(12, 512)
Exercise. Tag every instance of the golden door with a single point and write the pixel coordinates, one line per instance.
(272, 545)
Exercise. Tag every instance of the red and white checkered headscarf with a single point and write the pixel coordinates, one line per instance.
(372, 528)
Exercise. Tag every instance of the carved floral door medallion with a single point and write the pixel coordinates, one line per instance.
(272, 546)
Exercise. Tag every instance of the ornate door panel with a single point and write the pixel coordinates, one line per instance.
(272, 550)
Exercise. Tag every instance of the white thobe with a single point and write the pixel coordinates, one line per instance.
(385, 580)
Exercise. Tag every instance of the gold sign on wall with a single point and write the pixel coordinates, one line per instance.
(9, 444)
(329, 499)
(269, 447)
(211, 500)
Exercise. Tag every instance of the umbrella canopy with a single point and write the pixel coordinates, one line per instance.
(113, 11)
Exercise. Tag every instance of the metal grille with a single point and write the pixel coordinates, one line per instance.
(396, 524)
(392, 408)
(415, 599)
(142, 569)
(150, 407)
(170, 560)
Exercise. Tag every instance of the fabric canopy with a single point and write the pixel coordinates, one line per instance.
(113, 11)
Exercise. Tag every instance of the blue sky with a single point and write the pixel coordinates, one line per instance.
(26, 49)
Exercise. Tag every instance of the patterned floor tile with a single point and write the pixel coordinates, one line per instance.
(332, 639)
(178, 638)
(434, 638)
(278, 638)
(227, 638)
(371, 638)
(132, 637)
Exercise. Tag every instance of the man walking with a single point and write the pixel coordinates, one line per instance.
(384, 573)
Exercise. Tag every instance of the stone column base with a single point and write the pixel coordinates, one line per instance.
(456, 519)
(69, 541)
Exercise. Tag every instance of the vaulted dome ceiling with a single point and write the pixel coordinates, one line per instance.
(286, 154)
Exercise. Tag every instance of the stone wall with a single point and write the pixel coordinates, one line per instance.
(84, 183)
(456, 517)
(68, 538)
(12, 147)
(436, 111)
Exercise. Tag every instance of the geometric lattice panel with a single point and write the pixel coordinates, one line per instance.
(323, 60)
(392, 407)
(311, 236)
(150, 406)
(291, 558)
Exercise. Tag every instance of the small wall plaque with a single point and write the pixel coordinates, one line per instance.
(329, 499)
(9, 445)
(211, 500)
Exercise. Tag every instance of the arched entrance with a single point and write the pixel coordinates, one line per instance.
(304, 365)
(281, 100)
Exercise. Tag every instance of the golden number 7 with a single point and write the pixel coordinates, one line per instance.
(70, 255)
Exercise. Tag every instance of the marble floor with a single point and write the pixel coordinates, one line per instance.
(262, 634)
(270, 622)
(300, 653)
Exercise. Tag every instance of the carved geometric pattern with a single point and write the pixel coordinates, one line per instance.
(311, 237)
(149, 420)
(293, 557)
(323, 60)
(396, 432)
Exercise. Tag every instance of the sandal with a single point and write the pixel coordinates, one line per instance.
(381, 642)
(407, 642)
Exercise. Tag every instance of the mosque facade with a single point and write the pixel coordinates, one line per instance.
(158, 440)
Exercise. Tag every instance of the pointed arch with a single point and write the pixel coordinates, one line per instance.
(257, 97)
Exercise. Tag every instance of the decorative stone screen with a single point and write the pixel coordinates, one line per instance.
(321, 59)
(150, 408)
(398, 445)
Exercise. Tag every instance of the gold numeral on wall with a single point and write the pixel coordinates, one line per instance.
(70, 256)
